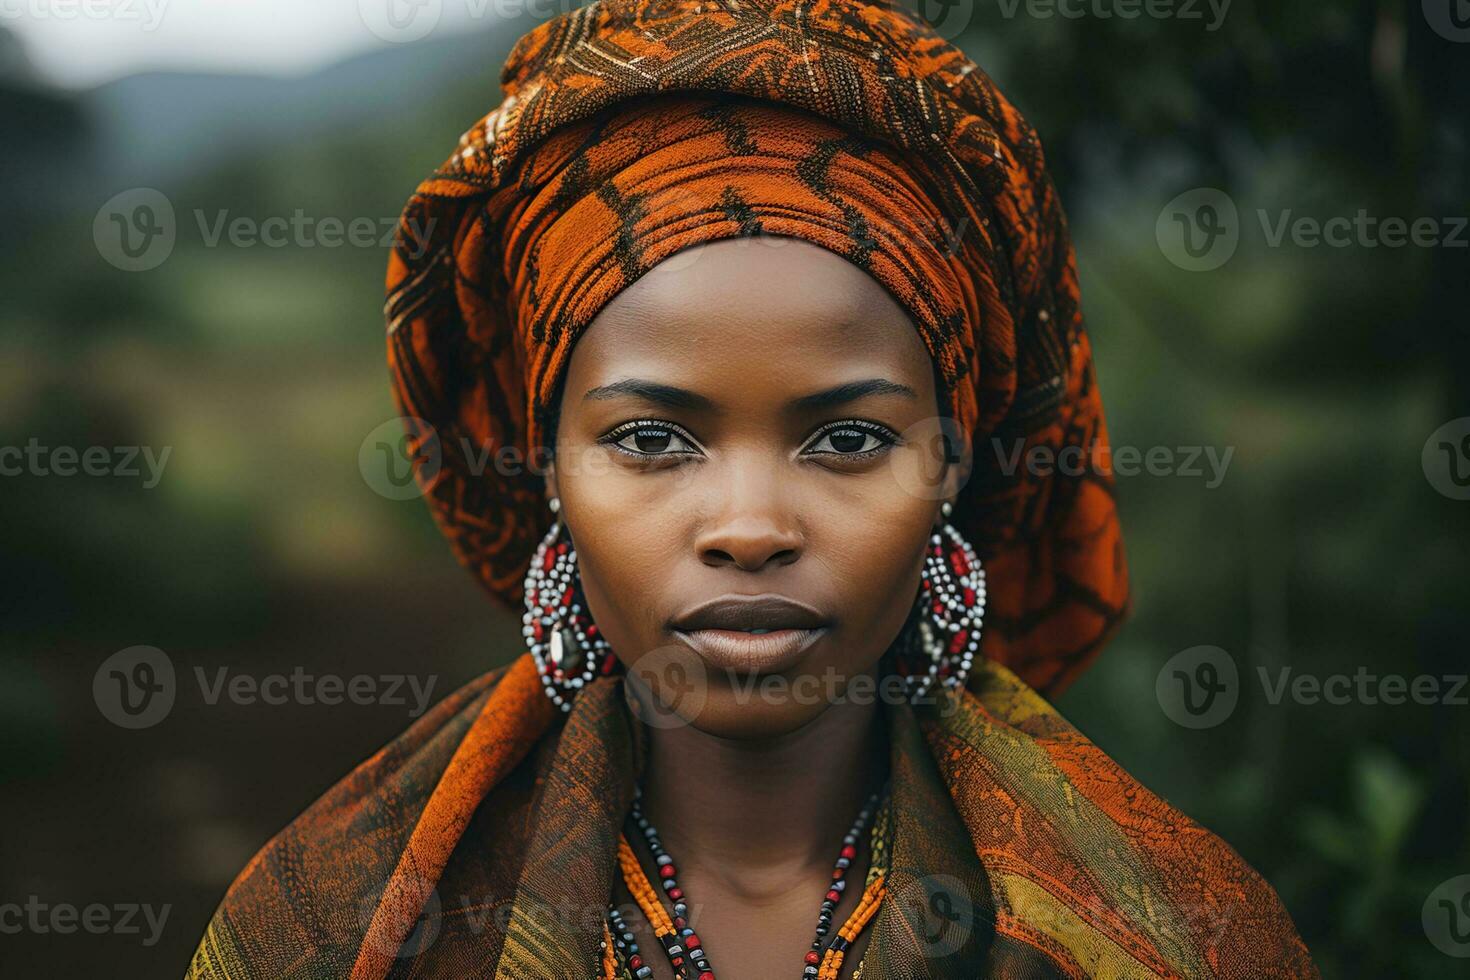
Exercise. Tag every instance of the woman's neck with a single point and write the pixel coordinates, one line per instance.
(758, 814)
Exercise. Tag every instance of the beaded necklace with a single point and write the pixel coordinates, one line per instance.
(622, 960)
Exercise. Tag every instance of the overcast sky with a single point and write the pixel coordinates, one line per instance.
(82, 42)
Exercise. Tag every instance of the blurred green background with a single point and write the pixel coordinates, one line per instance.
(1325, 548)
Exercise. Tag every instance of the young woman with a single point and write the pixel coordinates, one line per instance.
(756, 279)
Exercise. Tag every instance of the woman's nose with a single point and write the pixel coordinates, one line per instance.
(753, 527)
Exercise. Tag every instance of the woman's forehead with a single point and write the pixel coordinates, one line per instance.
(751, 304)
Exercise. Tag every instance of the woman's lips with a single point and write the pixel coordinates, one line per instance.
(743, 651)
(744, 633)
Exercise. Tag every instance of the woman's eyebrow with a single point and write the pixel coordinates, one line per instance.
(851, 391)
(676, 397)
(652, 391)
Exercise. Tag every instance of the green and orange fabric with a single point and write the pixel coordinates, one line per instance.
(482, 842)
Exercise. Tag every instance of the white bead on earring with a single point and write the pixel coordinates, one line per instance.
(951, 610)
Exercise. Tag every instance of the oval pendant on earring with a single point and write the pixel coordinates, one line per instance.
(567, 646)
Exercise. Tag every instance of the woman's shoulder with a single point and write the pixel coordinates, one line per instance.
(306, 900)
(1089, 865)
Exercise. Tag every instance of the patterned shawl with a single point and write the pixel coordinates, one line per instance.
(481, 842)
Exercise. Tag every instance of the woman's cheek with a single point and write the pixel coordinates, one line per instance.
(879, 519)
(626, 558)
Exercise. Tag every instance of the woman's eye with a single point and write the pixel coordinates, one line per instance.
(850, 440)
(651, 439)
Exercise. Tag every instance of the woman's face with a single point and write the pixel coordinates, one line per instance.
(748, 468)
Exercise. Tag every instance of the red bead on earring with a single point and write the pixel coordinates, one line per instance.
(951, 608)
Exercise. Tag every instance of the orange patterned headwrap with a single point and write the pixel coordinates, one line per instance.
(633, 129)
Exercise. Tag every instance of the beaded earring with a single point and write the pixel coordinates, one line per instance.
(568, 647)
(949, 613)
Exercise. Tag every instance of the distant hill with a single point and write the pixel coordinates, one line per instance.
(151, 127)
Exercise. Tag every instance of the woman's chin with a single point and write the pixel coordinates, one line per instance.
(740, 708)
(741, 721)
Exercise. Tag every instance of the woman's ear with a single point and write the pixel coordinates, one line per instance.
(959, 460)
(548, 479)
